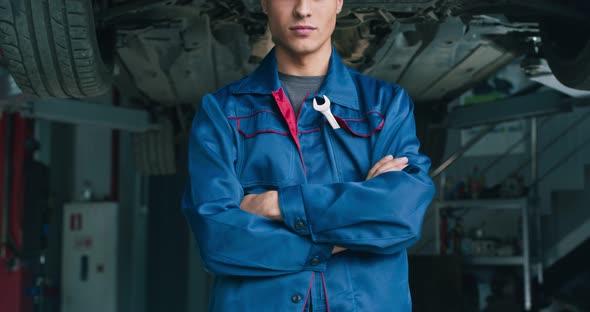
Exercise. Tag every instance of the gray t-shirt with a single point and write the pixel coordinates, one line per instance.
(297, 87)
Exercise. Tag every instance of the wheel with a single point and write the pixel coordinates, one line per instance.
(51, 47)
(566, 46)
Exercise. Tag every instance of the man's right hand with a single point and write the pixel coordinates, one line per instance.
(387, 164)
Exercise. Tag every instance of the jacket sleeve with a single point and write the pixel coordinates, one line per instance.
(231, 240)
(380, 215)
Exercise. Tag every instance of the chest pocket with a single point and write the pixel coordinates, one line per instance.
(363, 127)
(267, 150)
(354, 143)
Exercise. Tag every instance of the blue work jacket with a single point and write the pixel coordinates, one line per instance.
(247, 139)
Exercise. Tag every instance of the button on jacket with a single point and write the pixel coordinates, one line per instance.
(246, 139)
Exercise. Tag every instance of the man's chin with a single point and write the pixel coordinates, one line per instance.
(303, 50)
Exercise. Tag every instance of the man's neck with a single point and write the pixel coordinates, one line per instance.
(314, 64)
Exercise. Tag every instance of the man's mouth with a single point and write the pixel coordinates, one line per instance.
(302, 30)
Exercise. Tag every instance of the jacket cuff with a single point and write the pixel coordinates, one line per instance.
(318, 256)
(292, 209)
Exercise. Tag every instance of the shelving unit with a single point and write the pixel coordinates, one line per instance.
(519, 204)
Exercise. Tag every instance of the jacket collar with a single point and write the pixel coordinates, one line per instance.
(338, 85)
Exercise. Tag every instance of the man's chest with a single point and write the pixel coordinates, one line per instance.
(276, 147)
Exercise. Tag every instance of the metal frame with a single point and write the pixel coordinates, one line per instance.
(534, 198)
(517, 107)
(526, 265)
(81, 112)
(558, 137)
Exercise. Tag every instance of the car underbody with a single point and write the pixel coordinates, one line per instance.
(174, 52)
(164, 55)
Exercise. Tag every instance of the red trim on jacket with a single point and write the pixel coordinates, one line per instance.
(287, 110)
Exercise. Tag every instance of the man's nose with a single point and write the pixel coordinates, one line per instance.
(303, 8)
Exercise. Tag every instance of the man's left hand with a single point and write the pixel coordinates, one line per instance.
(265, 204)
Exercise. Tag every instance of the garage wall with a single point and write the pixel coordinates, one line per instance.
(92, 160)
(92, 156)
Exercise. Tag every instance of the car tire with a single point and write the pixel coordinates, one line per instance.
(566, 46)
(51, 47)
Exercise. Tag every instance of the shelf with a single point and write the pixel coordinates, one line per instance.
(509, 261)
(516, 203)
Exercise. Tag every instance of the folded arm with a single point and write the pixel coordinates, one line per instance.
(231, 240)
(383, 214)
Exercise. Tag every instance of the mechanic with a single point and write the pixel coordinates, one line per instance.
(310, 211)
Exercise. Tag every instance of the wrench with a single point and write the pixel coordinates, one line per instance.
(325, 110)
